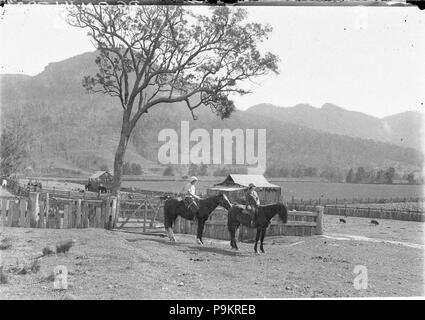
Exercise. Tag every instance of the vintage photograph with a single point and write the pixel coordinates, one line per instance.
(211, 152)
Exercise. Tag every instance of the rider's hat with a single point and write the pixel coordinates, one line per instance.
(251, 185)
(193, 178)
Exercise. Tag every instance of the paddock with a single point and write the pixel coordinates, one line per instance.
(131, 265)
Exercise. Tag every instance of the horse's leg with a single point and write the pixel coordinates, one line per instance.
(263, 234)
(173, 238)
(232, 230)
(234, 237)
(201, 223)
(231, 235)
(170, 234)
(257, 237)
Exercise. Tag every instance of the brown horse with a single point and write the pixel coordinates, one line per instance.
(174, 208)
(239, 216)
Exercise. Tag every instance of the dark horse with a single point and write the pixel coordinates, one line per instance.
(238, 216)
(174, 208)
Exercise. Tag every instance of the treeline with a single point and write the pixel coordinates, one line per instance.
(14, 146)
(386, 176)
(204, 170)
(354, 175)
(361, 175)
(221, 172)
(331, 174)
(128, 168)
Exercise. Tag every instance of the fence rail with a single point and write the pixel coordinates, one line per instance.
(342, 201)
(150, 209)
(368, 212)
(376, 213)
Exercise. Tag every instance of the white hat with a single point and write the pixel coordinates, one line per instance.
(193, 178)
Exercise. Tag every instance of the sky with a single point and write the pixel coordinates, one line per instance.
(363, 59)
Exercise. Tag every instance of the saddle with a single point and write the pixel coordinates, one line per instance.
(249, 211)
(191, 204)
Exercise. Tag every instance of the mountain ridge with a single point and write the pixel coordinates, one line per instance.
(335, 119)
(75, 129)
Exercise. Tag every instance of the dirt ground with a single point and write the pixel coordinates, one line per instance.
(119, 265)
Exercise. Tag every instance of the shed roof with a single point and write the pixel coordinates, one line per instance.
(98, 174)
(245, 179)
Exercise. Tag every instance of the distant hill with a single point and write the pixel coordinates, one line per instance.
(78, 131)
(404, 129)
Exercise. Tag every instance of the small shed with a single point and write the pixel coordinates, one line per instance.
(235, 186)
(103, 178)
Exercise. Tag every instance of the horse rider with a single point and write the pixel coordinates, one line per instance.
(189, 194)
(252, 203)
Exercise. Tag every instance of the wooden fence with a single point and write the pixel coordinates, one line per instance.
(373, 213)
(300, 223)
(43, 211)
(342, 201)
(376, 213)
(140, 210)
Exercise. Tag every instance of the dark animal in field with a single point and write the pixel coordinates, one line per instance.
(342, 220)
(47, 251)
(3, 276)
(86, 187)
(102, 189)
(174, 208)
(63, 247)
(374, 222)
(239, 216)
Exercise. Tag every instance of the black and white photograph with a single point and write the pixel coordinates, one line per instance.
(212, 151)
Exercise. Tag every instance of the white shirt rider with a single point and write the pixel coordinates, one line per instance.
(189, 188)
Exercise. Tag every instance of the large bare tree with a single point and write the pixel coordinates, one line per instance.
(156, 55)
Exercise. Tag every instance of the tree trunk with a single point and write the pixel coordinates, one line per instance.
(119, 157)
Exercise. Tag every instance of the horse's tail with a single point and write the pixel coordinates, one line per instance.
(283, 213)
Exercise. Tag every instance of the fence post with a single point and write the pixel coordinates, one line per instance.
(114, 212)
(319, 220)
(145, 213)
(118, 210)
(34, 209)
(78, 221)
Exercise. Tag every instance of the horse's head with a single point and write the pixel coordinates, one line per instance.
(283, 212)
(224, 201)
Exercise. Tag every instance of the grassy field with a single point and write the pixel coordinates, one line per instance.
(402, 206)
(302, 190)
(312, 189)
